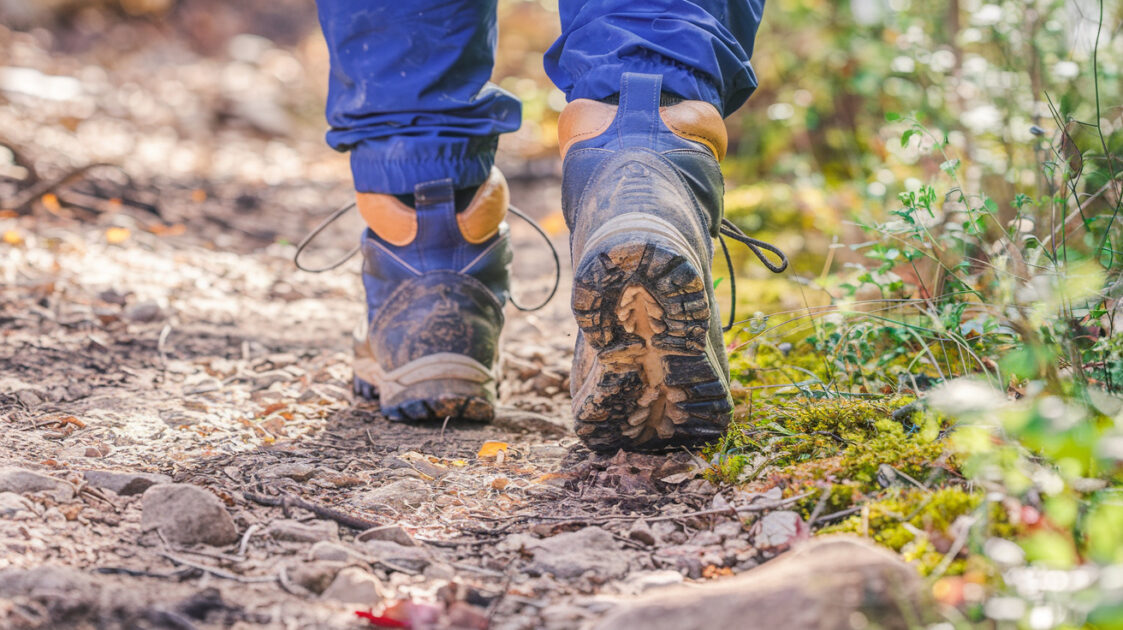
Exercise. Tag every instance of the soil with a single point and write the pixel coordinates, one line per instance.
(152, 321)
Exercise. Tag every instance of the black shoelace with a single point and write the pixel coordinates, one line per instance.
(334, 216)
(727, 229)
(730, 229)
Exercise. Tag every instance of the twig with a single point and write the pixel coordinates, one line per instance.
(246, 539)
(820, 505)
(826, 518)
(219, 573)
(139, 573)
(953, 551)
(323, 511)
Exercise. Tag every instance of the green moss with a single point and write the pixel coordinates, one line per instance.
(915, 522)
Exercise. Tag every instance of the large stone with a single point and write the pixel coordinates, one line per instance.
(22, 481)
(124, 483)
(185, 514)
(573, 554)
(354, 586)
(826, 584)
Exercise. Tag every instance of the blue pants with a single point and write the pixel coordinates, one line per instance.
(409, 95)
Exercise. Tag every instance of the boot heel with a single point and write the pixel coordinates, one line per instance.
(434, 387)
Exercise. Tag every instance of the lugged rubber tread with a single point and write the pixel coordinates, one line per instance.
(643, 311)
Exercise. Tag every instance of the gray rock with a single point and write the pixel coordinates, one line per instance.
(123, 483)
(392, 533)
(12, 505)
(400, 493)
(315, 576)
(688, 559)
(821, 585)
(668, 532)
(394, 555)
(186, 515)
(330, 551)
(62, 589)
(354, 586)
(779, 531)
(730, 530)
(640, 532)
(572, 554)
(640, 581)
(292, 470)
(144, 312)
(296, 531)
(21, 481)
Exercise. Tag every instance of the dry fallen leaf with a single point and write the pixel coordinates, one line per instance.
(499, 483)
(491, 449)
(13, 237)
(50, 202)
(117, 235)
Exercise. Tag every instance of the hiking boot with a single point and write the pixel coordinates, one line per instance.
(436, 280)
(642, 196)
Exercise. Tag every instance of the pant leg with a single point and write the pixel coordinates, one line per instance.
(701, 47)
(409, 95)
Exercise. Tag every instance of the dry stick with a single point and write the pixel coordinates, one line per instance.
(826, 518)
(244, 545)
(323, 511)
(219, 573)
(820, 505)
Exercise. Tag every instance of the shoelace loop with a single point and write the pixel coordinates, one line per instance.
(730, 229)
(334, 216)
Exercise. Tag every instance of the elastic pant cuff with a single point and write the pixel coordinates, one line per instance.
(395, 166)
(604, 81)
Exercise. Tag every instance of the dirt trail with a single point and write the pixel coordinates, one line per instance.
(152, 324)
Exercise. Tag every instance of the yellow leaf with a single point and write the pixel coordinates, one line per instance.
(554, 224)
(13, 237)
(491, 449)
(117, 235)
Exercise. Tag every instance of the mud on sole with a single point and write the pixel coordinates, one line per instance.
(654, 380)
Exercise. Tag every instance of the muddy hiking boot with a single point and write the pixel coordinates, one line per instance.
(436, 280)
(642, 196)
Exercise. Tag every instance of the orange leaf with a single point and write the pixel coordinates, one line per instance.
(491, 449)
(50, 202)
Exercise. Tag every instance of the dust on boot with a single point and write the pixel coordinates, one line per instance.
(436, 280)
(642, 195)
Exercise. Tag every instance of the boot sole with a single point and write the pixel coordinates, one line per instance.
(432, 388)
(641, 301)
